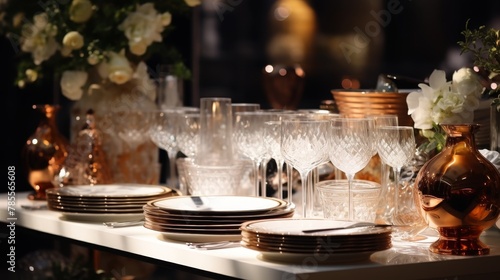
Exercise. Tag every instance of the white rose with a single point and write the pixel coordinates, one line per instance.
(192, 3)
(143, 27)
(73, 40)
(466, 82)
(72, 83)
(80, 11)
(117, 69)
(32, 75)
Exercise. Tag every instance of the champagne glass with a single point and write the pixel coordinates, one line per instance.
(351, 149)
(272, 138)
(396, 147)
(386, 203)
(249, 128)
(304, 145)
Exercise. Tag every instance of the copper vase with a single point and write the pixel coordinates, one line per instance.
(283, 85)
(45, 151)
(459, 192)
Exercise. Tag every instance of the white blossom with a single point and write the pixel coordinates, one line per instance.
(72, 83)
(445, 102)
(143, 27)
(143, 81)
(39, 38)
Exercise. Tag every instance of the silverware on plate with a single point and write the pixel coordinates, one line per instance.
(213, 245)
(356, 225)
(124, 224)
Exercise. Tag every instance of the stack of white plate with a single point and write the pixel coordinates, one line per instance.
(210, 218)
(107, 202)
(283, 240)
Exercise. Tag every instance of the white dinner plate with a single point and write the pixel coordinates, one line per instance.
(294, 227)
(110, 191)
(218, 205)
(100, 217)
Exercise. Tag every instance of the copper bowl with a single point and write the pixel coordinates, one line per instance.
(359, 103)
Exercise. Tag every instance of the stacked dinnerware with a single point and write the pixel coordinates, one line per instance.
(284, 240)
(210, 218)
(107, 202)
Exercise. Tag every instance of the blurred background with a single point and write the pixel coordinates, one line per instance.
(335, 44)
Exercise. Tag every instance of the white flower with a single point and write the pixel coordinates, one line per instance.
(39, 38)
(143, 27)
(73, 40)
(143, 81)
(80, 11)
(117, 69)
(93, 59)
(445, 102)
(192, 3)
(466, 82)
(72, 83)
(32, 75)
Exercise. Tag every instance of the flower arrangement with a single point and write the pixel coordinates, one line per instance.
(484, 46)
(443, 101)
(87, 42)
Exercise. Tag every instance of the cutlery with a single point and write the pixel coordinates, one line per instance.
(213, 245)
(356, 225)
(123, 224)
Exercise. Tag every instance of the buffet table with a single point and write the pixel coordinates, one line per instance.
(406, 260)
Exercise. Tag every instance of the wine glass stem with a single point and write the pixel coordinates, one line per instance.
(279, 167)
(350, 178)
(397, 174)
(263, 178)
(289, 182)
(256, 168)
(172, 175)
(306, 195)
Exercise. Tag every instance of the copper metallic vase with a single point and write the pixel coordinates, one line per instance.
(283, 85)
(45, 152)
(459, 193)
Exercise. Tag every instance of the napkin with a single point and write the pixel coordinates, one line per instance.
(492, 156)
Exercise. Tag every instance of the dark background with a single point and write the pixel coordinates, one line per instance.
(421, 38)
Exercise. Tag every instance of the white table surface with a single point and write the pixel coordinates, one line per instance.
(406, 260)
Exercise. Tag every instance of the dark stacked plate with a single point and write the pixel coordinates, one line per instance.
(107, 202)
(283, 240)
(210, 218)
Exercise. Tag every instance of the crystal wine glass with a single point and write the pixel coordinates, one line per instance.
(396, 147)
(351, 149)
(249, 128)
(304, 145)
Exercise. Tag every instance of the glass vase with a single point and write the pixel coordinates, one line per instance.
(44, 152)
(120, 113)
(459, 193)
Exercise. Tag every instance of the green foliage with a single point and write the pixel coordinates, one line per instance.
(100, 33)
(484, 45)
